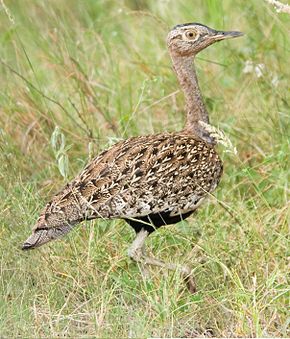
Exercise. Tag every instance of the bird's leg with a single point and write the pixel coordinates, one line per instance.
(136, 250)
(183, 269)
(137, 253)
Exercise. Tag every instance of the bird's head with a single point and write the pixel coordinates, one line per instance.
(189, 39)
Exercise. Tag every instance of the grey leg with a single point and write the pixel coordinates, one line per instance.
(137, 253)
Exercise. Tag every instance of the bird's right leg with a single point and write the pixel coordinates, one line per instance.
(184, 270)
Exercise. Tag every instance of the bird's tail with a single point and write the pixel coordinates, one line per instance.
(40, 236)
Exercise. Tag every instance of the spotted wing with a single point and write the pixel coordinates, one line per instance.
(145, 175)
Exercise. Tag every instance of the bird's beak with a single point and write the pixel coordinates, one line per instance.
(221, 35)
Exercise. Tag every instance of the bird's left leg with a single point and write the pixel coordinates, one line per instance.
(137, 253)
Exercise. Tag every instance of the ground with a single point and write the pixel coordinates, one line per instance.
(76, 76)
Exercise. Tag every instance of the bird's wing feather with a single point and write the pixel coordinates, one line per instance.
(143, 175)
(147, 175)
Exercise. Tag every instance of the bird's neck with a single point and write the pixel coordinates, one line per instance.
(195, 107)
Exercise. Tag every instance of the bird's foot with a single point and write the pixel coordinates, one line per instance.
(190, 283)
(137, 253)
(188, 278)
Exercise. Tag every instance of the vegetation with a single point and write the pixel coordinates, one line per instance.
(78, 75)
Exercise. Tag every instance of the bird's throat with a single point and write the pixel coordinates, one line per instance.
(195, 107)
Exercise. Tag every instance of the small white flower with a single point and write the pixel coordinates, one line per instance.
(279, 6)
(257, 69)
(275, 80)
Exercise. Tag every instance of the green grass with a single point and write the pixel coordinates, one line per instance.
(100, 71)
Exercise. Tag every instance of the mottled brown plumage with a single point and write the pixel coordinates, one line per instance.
(152, 180)
(135, 178)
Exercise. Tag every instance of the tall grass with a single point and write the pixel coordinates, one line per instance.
(98, 71)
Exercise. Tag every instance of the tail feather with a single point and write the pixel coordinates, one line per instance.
(36, 239)
(41, 236)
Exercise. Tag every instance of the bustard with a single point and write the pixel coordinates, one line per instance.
(149, 181)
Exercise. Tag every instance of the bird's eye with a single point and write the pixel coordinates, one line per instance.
(191, 35)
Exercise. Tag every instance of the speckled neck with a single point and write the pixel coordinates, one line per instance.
(195, 107)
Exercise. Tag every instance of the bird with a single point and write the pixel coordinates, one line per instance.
(149, 181)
